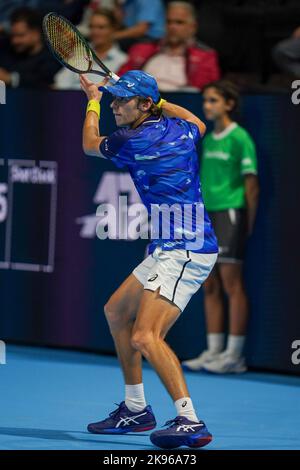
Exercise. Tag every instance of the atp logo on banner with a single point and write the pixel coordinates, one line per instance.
(111, 187)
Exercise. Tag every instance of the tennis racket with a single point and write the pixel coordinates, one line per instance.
(70, 48)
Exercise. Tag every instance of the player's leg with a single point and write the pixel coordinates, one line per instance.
(155, 317)
(214, 302)
(176, 277)
(232, 360)
(120, 312)
(214, 315)
(232, 234)
(233, 284)
(132, 415)
(213, 295)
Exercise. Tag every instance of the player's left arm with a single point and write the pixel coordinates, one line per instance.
(252, 196)
(249, 172)
(91, 138)
(173, 110)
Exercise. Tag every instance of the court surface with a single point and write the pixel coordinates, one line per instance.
(48, 396)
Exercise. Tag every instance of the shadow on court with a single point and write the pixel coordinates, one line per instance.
(57, 435)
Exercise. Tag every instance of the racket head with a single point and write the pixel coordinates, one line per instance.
(66, 43)
(105, 70)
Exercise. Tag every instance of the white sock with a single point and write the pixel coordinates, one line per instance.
(184, 407)
(134, 397)
(215, 342)
(235, 345)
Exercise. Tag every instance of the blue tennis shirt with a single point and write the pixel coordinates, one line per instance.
(161, 157)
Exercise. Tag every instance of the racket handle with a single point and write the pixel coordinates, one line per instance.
(114, 77)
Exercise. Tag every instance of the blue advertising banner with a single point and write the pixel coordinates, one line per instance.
(56, 274)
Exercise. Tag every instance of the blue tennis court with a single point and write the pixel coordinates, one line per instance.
(48, 396)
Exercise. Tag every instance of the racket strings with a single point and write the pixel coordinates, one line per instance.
(68, 45)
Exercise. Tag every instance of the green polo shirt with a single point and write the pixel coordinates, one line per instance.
(226, 158)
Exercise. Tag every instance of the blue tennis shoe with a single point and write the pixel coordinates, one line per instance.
(122, 421)
(181, 432)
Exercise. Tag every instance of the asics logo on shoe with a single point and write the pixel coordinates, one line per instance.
(152, 278)
(184, 404)
(129, 420)
(187, 427)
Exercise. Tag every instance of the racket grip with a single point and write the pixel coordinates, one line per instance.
(114, 77)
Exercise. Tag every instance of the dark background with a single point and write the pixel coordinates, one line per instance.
(65, 307)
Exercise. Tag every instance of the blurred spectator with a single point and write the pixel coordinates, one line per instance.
(251, 30)
(286, 54)
(178, 62)
(102, 28)
(25, 61)
(94, 5)
(7, 7)
(72, 9)
(143, 20)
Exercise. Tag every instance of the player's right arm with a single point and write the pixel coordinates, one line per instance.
(91, 138)
(173, 110)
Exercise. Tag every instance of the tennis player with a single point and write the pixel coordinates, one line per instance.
(230, 190)
(156, 143)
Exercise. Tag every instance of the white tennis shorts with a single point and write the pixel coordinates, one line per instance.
(178, 273)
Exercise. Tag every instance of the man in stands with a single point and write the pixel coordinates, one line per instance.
(178, 62)
(25, 61)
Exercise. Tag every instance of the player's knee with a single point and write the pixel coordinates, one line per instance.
(233, 286)
(142, 341)
(211, 286)
(112, 314)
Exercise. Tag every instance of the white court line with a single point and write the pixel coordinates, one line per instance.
(48, 269)
(8, 232)
(4, 265)
(52, 225)
(26, 266)
(48, 164)
(21, 162)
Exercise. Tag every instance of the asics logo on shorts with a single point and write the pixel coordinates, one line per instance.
(152, 278)
(129, 420)
(187, 428)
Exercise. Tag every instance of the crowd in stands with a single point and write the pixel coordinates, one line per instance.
(184, 44)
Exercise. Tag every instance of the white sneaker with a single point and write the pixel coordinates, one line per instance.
(226, 363)
(198, 362)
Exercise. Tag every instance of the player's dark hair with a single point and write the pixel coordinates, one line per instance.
(30, 16)
(154, 109)
(228, 90)
(108, 14)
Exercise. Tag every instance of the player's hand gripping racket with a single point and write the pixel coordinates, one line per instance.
(70, 48)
